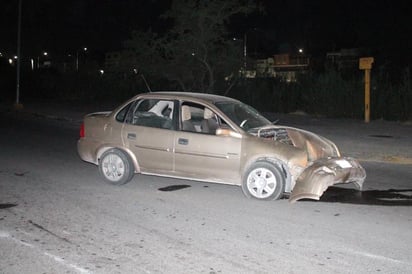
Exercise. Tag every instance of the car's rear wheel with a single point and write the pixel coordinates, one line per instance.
(115, 167)
(263, 181)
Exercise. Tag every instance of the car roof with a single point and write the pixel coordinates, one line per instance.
(180, 95)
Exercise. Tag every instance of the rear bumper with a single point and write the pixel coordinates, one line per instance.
(87, 150)
(315, 179)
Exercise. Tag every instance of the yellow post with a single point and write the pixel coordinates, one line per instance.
(365, 63)
(367, 94)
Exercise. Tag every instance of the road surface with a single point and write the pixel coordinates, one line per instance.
(58, 216)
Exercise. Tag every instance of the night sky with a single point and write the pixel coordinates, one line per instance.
(383, 27)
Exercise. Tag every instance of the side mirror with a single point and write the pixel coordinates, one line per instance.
(228, 133)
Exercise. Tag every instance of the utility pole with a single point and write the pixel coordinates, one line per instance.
(245, 51)
(17, 105)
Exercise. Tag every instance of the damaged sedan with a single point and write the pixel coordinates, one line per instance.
(213, 138)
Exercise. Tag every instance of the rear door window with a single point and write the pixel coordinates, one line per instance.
(155, 113)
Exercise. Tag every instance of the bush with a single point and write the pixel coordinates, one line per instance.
(328, 94)
(392, 98)
(80, 86)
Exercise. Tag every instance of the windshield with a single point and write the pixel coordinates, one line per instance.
(243, 115)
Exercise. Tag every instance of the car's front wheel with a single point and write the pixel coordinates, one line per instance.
(115, 167)
(264, 181)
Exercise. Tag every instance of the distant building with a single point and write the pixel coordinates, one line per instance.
(283, 66)
(343, 59)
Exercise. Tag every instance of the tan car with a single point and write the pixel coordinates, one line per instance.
(212, 138)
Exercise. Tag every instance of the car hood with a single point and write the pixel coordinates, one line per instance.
(316, 146)
(325, 166)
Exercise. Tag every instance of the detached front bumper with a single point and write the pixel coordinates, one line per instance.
(323, 173)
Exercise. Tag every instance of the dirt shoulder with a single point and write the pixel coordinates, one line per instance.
(378, 140)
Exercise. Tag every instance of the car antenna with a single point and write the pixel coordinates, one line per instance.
(147, 85)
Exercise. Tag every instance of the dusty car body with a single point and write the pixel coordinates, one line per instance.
(212, 138)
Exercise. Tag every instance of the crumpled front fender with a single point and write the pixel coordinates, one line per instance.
(323, 173)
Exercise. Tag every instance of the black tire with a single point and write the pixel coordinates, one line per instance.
(263, 181)
(115, 167)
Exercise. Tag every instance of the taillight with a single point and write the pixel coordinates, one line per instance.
(82, 130)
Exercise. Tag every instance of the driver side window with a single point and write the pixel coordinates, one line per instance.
(191, 116)
(199, 118)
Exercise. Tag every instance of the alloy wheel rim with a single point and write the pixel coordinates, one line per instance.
(261, 183)
(113, 167)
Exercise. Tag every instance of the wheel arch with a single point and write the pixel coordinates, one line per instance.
(125, 150)
(277, 162)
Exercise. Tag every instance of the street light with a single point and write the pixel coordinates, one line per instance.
(77, 58)
(246, 44)
(300, 56)
(45, 53)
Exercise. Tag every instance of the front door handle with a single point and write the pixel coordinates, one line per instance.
(183, 141)
(131, 136)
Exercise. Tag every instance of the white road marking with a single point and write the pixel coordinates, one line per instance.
(379, 257)
(62, 261)
(5, 234)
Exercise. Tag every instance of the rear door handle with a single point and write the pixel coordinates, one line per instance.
(183, 141)
(131, 136)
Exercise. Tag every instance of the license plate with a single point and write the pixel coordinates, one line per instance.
(343, 163)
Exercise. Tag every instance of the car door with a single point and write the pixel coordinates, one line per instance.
(206, 156)
(149, 132)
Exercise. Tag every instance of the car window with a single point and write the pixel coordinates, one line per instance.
(243, 115)
(152, 113)
(198, 118)
(121, 115)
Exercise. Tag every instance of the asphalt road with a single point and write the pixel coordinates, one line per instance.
(58, 216)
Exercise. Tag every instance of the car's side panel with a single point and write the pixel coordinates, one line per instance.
(153, 147)
(208, 157)
(87, 150)
(97, 132)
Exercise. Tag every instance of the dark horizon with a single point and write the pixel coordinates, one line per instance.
(317, 26)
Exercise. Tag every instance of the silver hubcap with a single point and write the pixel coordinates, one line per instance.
(113, 167)
(261, 183)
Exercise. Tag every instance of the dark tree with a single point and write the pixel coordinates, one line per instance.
(197, 52)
